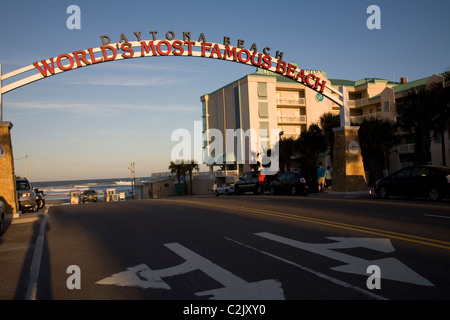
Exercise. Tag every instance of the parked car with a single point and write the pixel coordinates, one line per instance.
(2, 217)
(39, 197)
(428, 181)
(226, 189)
(89, 196)
(248, 182)
(26, 195)
(289, 183)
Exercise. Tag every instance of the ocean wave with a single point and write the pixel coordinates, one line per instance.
(62, 189)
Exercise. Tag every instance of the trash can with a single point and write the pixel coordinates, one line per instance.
(179, 189)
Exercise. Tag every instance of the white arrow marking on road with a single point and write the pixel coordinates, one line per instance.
(234, 287)
(391, 268)
(138, 276)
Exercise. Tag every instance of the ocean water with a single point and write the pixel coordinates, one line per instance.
(60, 190)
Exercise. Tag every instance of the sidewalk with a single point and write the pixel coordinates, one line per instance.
(370, 193)
(17, 246)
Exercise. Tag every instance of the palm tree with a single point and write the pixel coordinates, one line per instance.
(440, 100)
(377, 138)
(286, 150)
(415, 114)
(189, 167)
(311, 143)
(180, 169)
(328, 121)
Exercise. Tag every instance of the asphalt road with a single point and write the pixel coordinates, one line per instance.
(231, 248)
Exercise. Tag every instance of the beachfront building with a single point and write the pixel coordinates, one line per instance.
(264, 100)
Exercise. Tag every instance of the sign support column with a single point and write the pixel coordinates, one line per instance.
(348, 167)
(8, 194)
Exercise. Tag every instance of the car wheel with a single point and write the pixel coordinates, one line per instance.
(293, 190)
(434, 194)
(383, 193)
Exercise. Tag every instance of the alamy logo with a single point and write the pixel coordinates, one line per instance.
(374, 21)
(74, 20)
(247, 146)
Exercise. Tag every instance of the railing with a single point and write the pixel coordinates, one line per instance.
(375, 115)
(406, 164)
(358, 102)
(204, 175)
(406, 148)
(163, 175)
(291, 101)
(292, 119)
(293, 135)
(228, 173)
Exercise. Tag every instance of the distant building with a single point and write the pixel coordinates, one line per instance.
(264, 100)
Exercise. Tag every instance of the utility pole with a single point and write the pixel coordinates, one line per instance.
(26, 166)
(132, 167)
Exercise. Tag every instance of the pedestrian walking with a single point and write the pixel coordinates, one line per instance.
(262, 182)
(321, 177)
(149, 193)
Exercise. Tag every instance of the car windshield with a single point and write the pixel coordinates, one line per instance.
(22, 185)
(89, 192)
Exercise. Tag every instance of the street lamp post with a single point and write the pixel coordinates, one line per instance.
(133, 177)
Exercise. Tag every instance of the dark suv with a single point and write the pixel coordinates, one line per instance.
(26, 195)
(89, 196)
(290, 183)
(248, 182)
(416, 181)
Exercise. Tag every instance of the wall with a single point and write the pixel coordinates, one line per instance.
(8, 194)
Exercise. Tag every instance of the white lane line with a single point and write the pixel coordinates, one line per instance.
(435, 215)
(316, 273)
(36, 262)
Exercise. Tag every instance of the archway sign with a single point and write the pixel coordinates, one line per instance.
(139, 49)
(149, 48)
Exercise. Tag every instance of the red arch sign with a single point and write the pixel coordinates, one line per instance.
(139, 49)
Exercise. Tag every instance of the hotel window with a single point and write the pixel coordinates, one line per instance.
(262, 89)
(264, 129)
(263, 109)
(204, 111)
(204, 124)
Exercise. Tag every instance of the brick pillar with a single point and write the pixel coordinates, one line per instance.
(348, 168)
(8, 192)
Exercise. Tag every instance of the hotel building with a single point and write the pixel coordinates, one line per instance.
(264, 100)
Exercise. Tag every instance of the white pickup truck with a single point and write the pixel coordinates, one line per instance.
(225, 189)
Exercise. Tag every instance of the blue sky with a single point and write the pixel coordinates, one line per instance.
(93, 122)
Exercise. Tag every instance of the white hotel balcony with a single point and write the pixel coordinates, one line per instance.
(374, 115)
(291, 101)
(406, 148)
(292, 119)
(358, 102)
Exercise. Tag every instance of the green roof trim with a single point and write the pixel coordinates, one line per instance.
(397, 87)
(349, 83)
(342, 82)
(410, 85)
